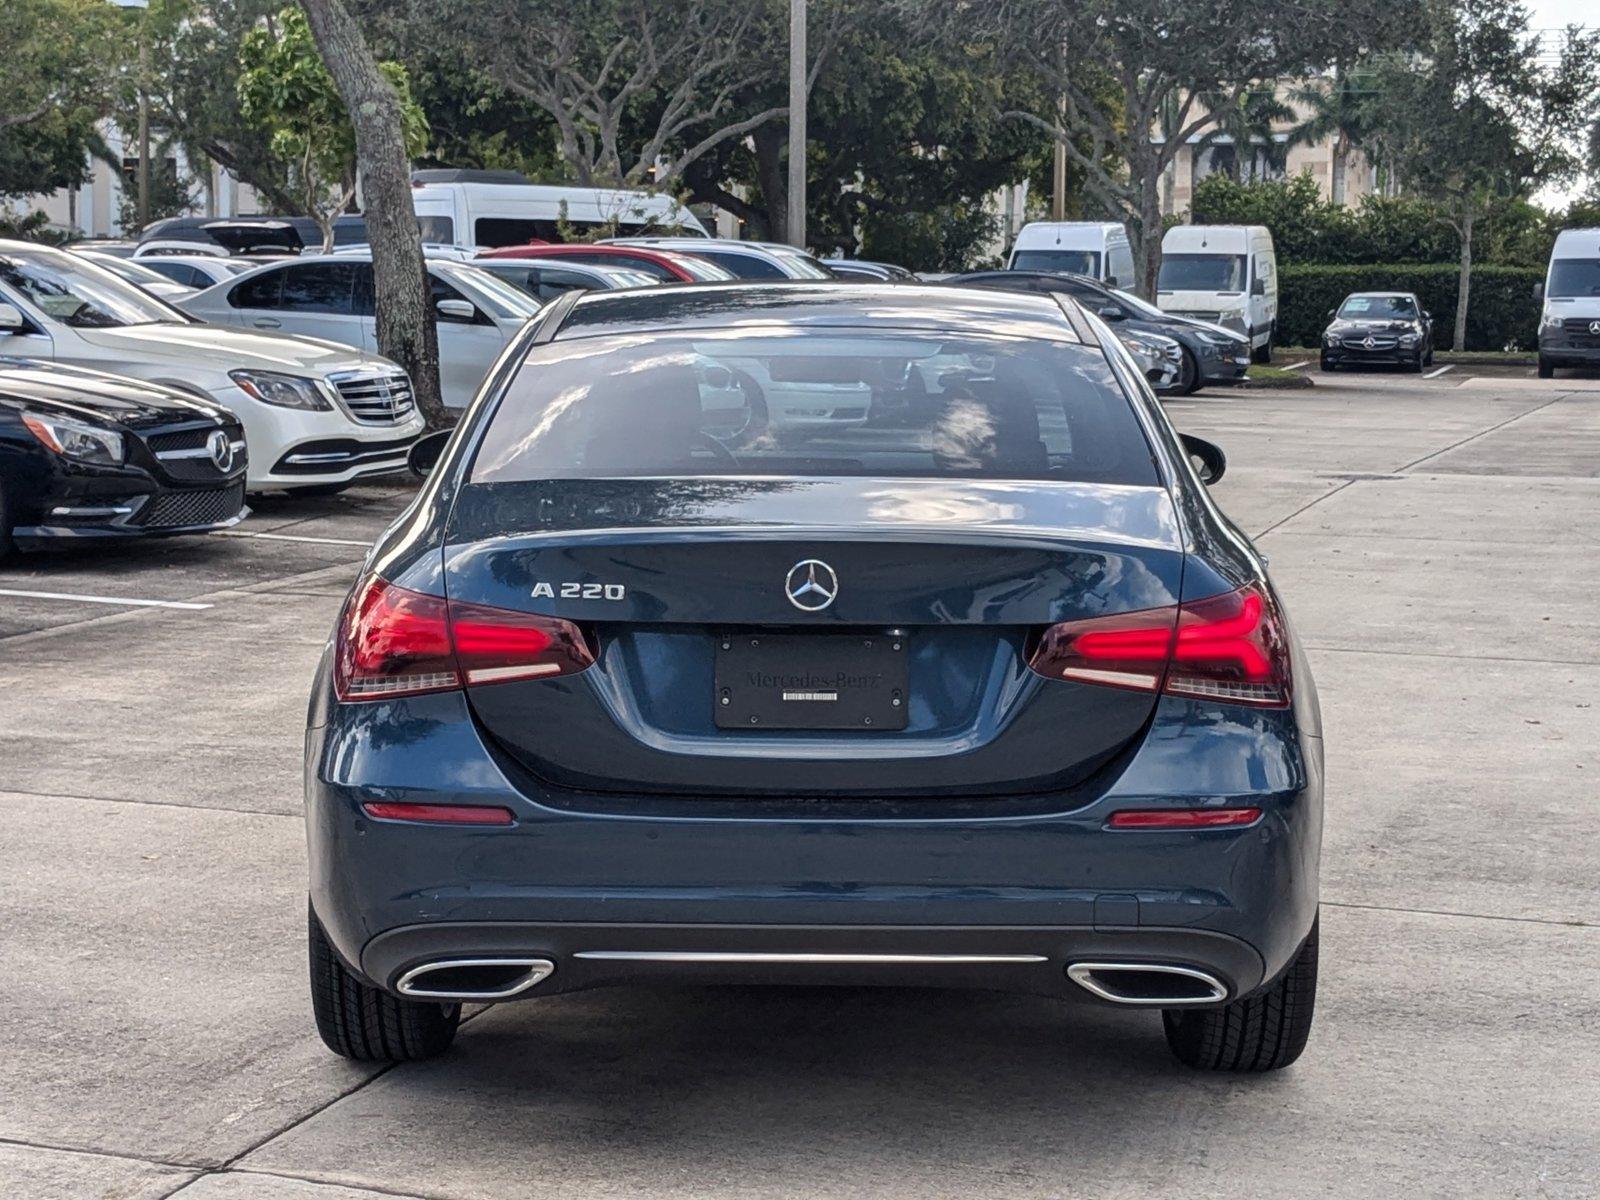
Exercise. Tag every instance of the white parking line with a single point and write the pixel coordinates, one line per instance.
(1440, 371)
(1298, 365)
(123, 600)
(290, 537)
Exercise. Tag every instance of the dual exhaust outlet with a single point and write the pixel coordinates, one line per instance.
(1135, 984)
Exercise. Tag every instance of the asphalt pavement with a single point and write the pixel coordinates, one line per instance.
(1438, 543)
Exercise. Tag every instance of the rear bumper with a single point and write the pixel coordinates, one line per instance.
(570, 875)
(1000, 958)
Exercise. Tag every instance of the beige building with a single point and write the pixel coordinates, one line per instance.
(94, 208)
(1266, 158)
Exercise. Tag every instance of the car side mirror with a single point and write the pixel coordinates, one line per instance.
(1109, 312)
(1426, 315)
(1538, 292)
(1258, 288)
(1331, 311)
(1207, 458)
(456, 310)
(426, 451)
(11, 319)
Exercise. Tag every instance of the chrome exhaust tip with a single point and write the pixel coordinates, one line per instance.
(1153, 985)
(474, 979)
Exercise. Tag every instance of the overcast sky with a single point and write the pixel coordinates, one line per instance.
(1552, 14)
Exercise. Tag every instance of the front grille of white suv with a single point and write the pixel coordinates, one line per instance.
(375, 397)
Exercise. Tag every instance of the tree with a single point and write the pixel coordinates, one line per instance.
(905, 140)
(1245, 121)
(386, 126)
(287, 92)
(627, 81)
(1477, 120)
(1170, 59)
(1338, 108)
(57, 79)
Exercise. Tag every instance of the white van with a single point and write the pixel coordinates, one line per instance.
(485, 209)
(1569, 325)
(1098, 249)
(1224, 274)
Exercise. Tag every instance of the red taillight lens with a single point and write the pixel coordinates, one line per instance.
(1182, 818)
(495, 644)
(396, 642)
(393, 642)
(1231, 647)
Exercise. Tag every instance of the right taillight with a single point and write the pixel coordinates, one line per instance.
(1231, 647)
(393, 641)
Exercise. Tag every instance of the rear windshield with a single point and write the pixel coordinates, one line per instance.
(815, 403)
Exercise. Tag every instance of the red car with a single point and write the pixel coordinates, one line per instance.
(659, 264)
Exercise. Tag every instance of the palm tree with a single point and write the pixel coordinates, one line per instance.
(1247, 121)
(1337, 109)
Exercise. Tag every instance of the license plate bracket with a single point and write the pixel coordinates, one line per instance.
(818, 681)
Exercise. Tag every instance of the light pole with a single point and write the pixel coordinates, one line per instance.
(797, 123)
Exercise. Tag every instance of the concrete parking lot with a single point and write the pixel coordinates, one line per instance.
(1438, 542)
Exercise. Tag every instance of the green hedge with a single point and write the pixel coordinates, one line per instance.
(1501, 311)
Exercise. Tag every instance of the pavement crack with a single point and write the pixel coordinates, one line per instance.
(1485, 432)
(1305, 507)
(1469, 916)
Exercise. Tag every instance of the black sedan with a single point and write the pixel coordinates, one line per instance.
(89, 455)
(1211, 354)
(1378, 328)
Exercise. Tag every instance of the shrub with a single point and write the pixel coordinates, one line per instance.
(1501, 312)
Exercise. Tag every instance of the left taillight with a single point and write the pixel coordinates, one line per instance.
(1232, 647)
(394, 642)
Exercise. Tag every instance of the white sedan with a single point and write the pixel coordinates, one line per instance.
(331, 297)
(316, 415)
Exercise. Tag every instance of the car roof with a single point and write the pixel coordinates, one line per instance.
(819, 304)
(1399, 295)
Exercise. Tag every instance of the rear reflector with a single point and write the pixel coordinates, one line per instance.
(1231, 647)
(439, 814)
(1182, 818)
(396, 642)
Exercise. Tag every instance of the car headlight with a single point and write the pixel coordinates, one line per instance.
(1409, 339)
(1550, 321)
(1224, 340)
(281, 391)
(75, 439)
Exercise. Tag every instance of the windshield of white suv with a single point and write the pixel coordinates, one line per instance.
(80, 294)
(1573, 277)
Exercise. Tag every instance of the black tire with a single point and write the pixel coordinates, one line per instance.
(1416, 367)
(1264, 1032)
(1324, 364)
(1428, 361)
(1263, 354)
(1546, 370)
(367, 1024)
(1188, 375)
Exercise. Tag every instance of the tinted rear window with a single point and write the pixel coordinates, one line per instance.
(820, 403)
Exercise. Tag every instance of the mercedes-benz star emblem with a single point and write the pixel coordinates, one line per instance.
(811, 585)
(1370, 342)
(220, 449)
(1594, 326)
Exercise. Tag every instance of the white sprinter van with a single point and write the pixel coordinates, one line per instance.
(481, 210)
(1569, 324)
(1098, 249)
(1224, 274)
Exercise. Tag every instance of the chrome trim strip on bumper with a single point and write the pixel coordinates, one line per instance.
(769, 957)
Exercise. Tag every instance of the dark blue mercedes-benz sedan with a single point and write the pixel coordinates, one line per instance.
(815, 634)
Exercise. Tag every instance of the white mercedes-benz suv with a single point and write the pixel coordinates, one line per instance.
(316, 414)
